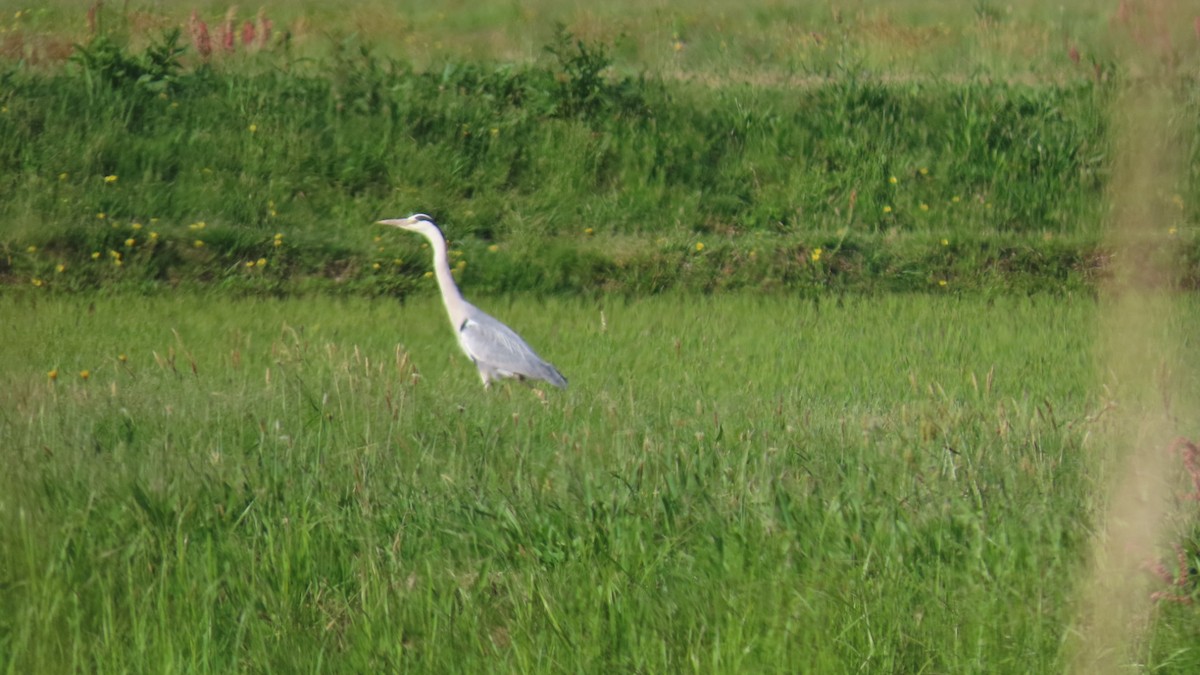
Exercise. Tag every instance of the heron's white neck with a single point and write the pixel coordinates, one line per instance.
(456, 307)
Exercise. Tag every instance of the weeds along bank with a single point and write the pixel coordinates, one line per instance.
(127, 167)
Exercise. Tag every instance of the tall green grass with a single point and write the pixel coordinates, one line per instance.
(730, 484)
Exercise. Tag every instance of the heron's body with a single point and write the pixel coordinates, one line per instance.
(496, 349)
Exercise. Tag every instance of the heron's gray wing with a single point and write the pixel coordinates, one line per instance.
(497, 347)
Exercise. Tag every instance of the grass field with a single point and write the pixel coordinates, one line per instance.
(731, 484)
(879, 320)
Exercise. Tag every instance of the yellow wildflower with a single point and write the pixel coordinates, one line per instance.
(893, 180)
(374, 266)
(110, 179)
(95, 255)
(253, 128)
(942, 282)
(945, 242)
(699, 246)
(924, 206)
(493, 248)
(31, 249)
(199, 243)
(887, 209)
(60, 268)
(53, 374)
(85, 374)
(135, 226)
(261, 262)
(815, 256)
(130, 242)
(36, 282)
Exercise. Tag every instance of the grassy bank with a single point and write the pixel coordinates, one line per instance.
(557, 175)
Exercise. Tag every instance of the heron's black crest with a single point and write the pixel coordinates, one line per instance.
(422, 217)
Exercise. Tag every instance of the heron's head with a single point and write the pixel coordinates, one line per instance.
(417, 222)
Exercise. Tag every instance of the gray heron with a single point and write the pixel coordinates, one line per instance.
(495, 349)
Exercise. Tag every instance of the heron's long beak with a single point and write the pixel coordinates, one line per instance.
(394, 222)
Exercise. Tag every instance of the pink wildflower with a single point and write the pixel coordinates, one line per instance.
(227, 30)
(199, 32)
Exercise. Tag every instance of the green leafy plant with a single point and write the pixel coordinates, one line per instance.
(582, 88)
(104, 62)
